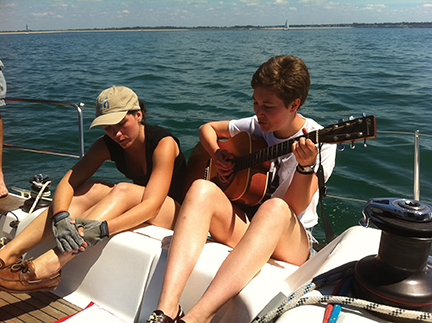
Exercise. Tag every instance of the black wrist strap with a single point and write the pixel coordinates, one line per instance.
(104, 229)
(60, 215)
(299, 170)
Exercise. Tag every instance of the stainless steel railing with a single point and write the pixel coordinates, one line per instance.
(417, 134)
(80, 128)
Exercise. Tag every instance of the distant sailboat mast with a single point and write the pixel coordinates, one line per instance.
(27, 30)
(286, 25)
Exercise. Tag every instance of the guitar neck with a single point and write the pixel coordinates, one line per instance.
(347, 131)
(271, 152)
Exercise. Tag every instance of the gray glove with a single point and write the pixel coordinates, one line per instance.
(94, 231)
(65, 233)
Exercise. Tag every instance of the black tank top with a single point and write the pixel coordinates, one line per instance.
(153, 134)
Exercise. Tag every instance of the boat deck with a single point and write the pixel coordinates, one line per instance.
(31, 307)
(34, 307)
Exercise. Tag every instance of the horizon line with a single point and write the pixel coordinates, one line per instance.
(355, 24)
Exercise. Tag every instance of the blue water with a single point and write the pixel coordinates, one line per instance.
(189, 77)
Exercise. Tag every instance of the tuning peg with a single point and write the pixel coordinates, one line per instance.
(352, 145)
(364, 142)
(340, 147)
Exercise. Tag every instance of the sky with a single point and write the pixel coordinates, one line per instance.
(89, 14)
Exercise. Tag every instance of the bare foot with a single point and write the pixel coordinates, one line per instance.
(49, 263)
(3, 190)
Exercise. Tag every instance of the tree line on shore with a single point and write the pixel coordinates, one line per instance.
(350, 25)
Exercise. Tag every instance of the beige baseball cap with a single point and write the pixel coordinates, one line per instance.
(113, 104)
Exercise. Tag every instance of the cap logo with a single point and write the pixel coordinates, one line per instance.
(104, 104)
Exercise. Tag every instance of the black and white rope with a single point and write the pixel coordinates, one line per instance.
(366, 305)
(296, 299)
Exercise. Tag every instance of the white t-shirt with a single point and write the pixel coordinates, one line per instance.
(286, 165)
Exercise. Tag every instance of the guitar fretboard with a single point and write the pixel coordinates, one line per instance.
(271, 152)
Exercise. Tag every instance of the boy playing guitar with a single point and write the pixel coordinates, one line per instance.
(280, 227)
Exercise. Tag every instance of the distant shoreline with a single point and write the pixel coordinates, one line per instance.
(153, 29)
(170, 28)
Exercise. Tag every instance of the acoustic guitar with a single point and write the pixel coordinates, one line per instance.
(249, 181)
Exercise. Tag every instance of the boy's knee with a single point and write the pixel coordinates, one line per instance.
(275, 210)
(277, 206)
(202, 187)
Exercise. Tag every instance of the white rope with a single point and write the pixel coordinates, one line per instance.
(41, 191)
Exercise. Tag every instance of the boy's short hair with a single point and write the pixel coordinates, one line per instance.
(286, 76)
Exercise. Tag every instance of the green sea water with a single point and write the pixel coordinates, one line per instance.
(187, 78)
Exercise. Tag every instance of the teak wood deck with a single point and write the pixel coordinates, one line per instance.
(35, 306)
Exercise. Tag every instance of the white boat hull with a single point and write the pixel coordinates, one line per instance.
(123, 275)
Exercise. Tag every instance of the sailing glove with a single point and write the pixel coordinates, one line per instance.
(94, 231)
(65, 233)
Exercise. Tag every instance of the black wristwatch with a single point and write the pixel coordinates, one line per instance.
(305, 170)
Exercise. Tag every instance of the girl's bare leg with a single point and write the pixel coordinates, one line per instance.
(35, 233)
(274, 230)
(103, 202)
(40, 228)
(197, 214)
(122, 198)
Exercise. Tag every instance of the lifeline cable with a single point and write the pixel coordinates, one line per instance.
(331, 276)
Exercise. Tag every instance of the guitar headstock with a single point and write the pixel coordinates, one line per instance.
(349, 131)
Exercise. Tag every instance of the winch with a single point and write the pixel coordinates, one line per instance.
(399, 275)
(39, 191)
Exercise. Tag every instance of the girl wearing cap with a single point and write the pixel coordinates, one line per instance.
(84, 212)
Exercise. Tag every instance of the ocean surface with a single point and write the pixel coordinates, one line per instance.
(187, 78)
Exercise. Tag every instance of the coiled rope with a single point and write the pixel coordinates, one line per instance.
(346, 270)
(40, 182)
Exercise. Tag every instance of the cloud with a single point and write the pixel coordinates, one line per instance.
(427, 5)
(376, 7)
(39, 14)
(281, 2)
(250, 2)
(45, 14)
(330, 5)
(193, 1)
(126, 11)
